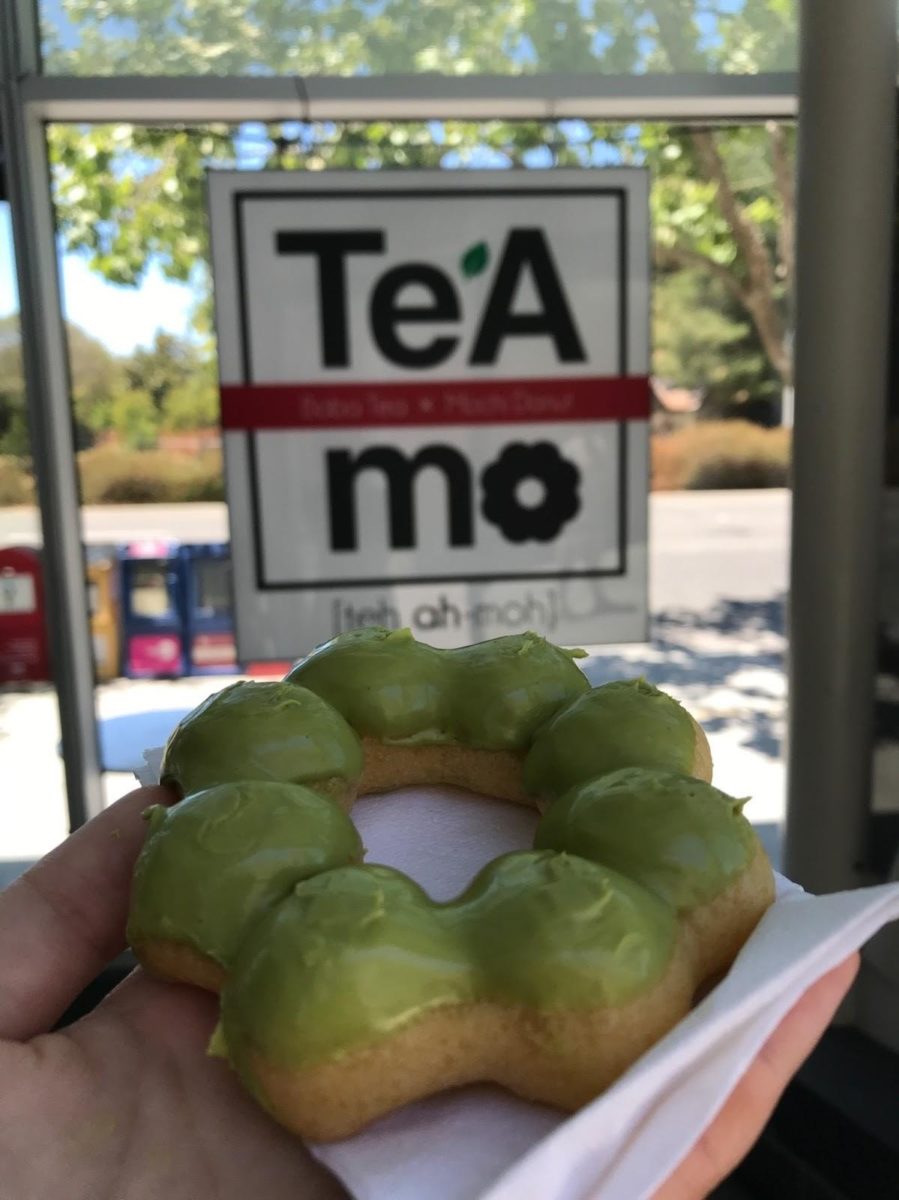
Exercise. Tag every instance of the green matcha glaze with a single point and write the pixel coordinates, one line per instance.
(213, 863)
(492, 695)
(681, 838)
(504, 690)
(325, 956)
(347, 959)
(359, 953)
(553, 931)
(266, 731)
(626, 724)
(384, 683)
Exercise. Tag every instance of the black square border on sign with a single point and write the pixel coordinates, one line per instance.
(263, 584)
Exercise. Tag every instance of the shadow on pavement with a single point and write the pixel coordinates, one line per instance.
(727, 663)
(731, 616)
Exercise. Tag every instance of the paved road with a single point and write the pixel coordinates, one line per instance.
(704, 546)
(109, 524)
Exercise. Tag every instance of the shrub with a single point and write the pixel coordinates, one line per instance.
(113, 475)
(16, 482)
(721, 454)
(206, 481)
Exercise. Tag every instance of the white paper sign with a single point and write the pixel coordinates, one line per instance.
(435, 403)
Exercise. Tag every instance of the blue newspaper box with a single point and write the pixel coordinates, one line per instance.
(152, 600)
(208, 609)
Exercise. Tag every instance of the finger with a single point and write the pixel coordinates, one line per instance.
(174, 1015)
(170, 1024)
(64, 920)
(739, 1123)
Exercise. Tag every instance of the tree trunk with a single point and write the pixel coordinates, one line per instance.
(761, 281)
(677, 35)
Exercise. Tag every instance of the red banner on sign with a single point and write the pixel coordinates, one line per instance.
(437, 402)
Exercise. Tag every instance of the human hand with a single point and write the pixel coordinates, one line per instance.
(745, 1113)
(124, 1104)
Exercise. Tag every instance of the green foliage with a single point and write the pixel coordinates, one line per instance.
(684, 208)
(703, 341)
(456, 37)
(162, 368)
(135, 418)
(694, 332)
(14, 439)
(129, 195)
(170, 385)
(13, 421)
(96, 377)
(193, 405)
(689, 227)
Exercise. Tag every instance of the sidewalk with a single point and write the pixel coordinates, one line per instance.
(727, 666)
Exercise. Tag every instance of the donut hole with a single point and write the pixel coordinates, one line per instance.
(441, 837)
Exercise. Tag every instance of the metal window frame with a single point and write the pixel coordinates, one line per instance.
(846, 213)
(30, 100)
(45, 365)
(194, 99)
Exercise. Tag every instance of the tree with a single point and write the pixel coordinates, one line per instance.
(169, 385)
(13, 419)
(724, 203)
(722, 198)
(96, 377)
(95, 373)
(162, 368)
(193, 404)
(135, 419)
(703, 342)
(456, 37)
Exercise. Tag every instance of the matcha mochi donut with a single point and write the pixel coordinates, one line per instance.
(345, 990)
(462, 717)
(271, 732)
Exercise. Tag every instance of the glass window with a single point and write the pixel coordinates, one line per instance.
(33, 812)
(130, 211)
(358, 37)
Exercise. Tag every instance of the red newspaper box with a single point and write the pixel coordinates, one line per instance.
(24, 652)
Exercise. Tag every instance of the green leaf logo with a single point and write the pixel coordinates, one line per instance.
(475, 259)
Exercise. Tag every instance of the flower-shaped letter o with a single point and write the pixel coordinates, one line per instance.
(561, 500)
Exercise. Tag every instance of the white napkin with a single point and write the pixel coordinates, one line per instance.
(479, 1143)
